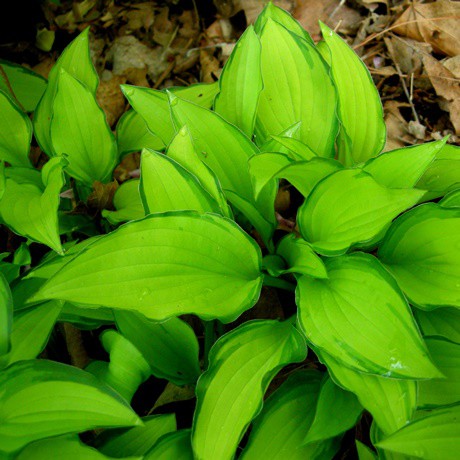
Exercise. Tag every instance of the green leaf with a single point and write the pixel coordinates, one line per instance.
(202, 94)
(24, 176)
(422, 251)
(22, 255)
(80, 131)
(297, 87)
(127, 202)
(441, 392)
(86, 318)
(241, 83)
(32, 212)
(15, 134)
(350, 207)
(127, 368)
(360, 317)
(451, 200)
(166, 186)
(362, 132)
(442, 322)
(175, 446)
(402, 168)
(431, 437)
(391, 402)
(212, 264)
(230, 392)
(133, 135)
(6, 317)
(76, 61)
(43, 398)
(170, 347)
(137, 440)
(337, 411)
(364, 453)
(290, 146)
(286, 417)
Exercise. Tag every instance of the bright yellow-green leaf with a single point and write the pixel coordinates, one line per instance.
(175, 446)
(364, 453)
(451, 200)
(442, 322)
(290, 146)
(127, 203)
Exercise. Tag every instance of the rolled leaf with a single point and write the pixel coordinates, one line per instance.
(127, 203)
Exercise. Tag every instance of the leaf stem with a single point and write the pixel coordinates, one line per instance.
(278, 283)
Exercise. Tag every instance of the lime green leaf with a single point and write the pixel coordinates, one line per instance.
(364, 453)
(402, 168)
(212, 264)
(22, 255)
(76, 61)
(362, 134)
(170, 347)
(6, 317)
(286, 417)
(15, 134)
(431, 437)
(202, 94)
(86, 318)
(166, 186)
(137, 440)
(175, 446)
(80, 131)
(24, 176)
(28, 87)
(442, 392)
(451, 200)
(284, 18)
(44, 398)
(133, 135)
(442, 322)
(337, 411)
(297, 87)
(230, 392)
(33, 213)
(360, 317)
(422, 251)
(290, 146)
(240, 83)
(127, 202)
(391, 402)
(350, 207)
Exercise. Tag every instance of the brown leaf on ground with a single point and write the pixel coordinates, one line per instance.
(434, 23)
(251, 8)
(407, 53)
(124, 170)
(447, 86)
(453, 64)
(397, 127)
(110, 98)
(102, 195)
(80, 11)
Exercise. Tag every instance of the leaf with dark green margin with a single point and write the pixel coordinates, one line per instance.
(230, 393)
(360, 317)
(241, 83)
(32, 212)
(127, 203)
(76, 61)
(364, 452)
(402, 168)
(392, 402)
(442, 322)
(44, 398)
(297, 87)
(422, 250)
(213, 265)
(28, 87)
(441, 392)
(434, 436)
(15, 134)
(6, 317)
(284, 18)
(350, 207)
(79, 130)
(170, 347)
(138, 440)
(133, 135)
(280, 429)
(451, 200)
(337, 411)
(175, 446)
(167, 186)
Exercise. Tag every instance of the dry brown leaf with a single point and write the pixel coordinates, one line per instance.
(70, 20)
(407, 53)
(436, 23)
(210, 66)
(447, 86)
(453, 64)
(141, 16)
(102, 195)
(397, 128)
(110, 98)
(163, 28)
(251, 8)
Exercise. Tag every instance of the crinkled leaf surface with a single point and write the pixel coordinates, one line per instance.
(297, 87)
(360, 317)
(80, 131)
(362, 132)
(422, 251)
(287, 415)
(432, 437)
(442, 322)
(170, 347)
(166, 265)
(349, 207)
(230, 392)
(240, 83)
(6, 316)
(127, 203)
(44, 398)
(175, 446)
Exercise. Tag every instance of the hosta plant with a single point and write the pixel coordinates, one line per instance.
(368, 247)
